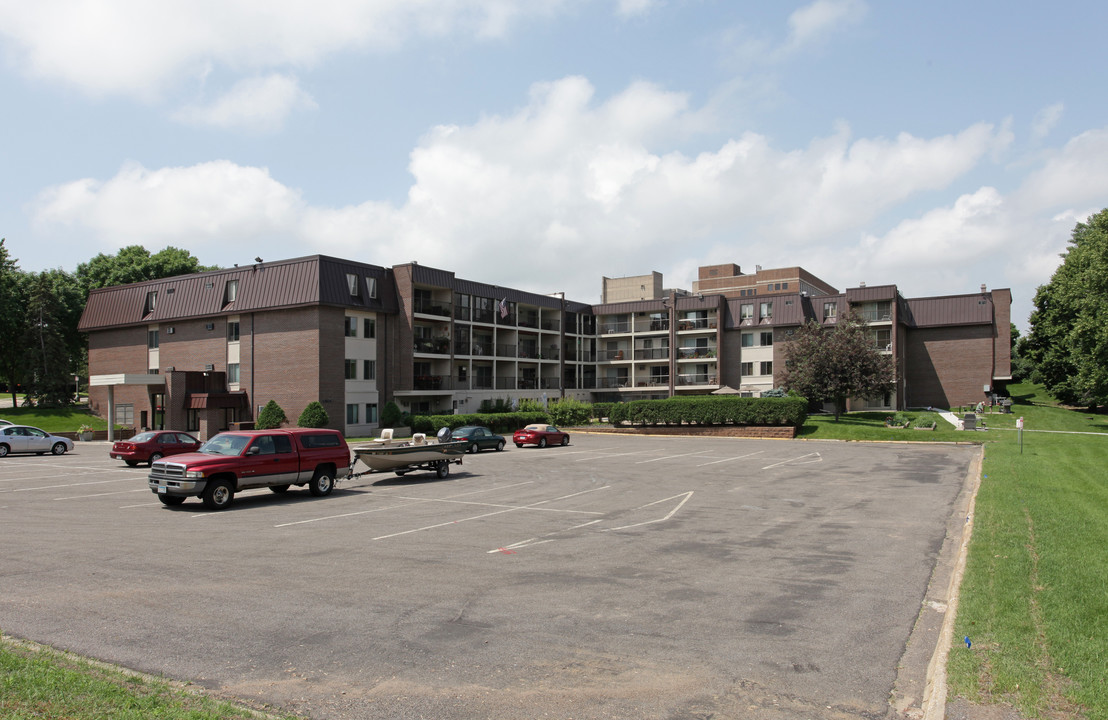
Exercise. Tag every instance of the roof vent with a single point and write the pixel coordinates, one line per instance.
(862, 284)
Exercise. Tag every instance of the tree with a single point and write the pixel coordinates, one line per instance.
(134, 263)
(1067, 344)
(314, 416)
(48, 371)
(13, 306)
(271, 416)
(834, 364)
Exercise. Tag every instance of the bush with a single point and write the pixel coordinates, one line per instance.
(499, 405)
(712, 410)
(393, 417)
(314, 416)
(569, 411)
(530, 405)
(271, 416)
(601, 410)
(497, 422)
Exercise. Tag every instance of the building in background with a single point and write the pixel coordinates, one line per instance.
(204, 352)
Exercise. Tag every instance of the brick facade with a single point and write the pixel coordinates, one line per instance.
(948, 367)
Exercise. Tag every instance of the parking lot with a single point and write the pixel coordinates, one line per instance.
(617, 577)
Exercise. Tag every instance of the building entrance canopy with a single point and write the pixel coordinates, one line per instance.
(111, 381)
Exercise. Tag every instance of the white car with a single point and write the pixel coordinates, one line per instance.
(27, 439)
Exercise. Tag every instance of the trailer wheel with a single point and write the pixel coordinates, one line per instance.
(218, 495)
(322, 483)
(401, 473)
(443, 469)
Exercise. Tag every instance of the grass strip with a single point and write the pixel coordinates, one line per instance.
(37, 682)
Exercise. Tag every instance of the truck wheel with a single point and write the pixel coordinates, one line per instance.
(279, 489)
(443, 469)
(322, 483)
(171, 500)
(218, 495)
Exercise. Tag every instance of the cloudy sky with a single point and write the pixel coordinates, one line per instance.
(542, 144)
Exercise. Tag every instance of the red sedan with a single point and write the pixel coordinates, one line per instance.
(541, 435)
(151, 446)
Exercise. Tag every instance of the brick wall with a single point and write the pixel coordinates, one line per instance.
(118, 351)
(947, 367)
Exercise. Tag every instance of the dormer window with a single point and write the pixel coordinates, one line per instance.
(371, 286)
(230, 291)
(353, 286)
(151, 300)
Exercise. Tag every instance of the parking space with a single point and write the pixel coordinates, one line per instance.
(615, 577)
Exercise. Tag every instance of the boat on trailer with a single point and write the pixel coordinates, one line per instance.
(436, 454)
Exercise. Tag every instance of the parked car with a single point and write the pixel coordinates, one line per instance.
(235, 461)
(152, 446)
(541, 435)
(480, 438)
(6, 422)
(27, 439)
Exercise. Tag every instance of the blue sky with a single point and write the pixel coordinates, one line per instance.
(542, 144)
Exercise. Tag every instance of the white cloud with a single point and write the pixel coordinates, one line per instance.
(139, 48)
(565, 187)
(1046, 119)
(632, 8)
(259, 103)
(813, 22)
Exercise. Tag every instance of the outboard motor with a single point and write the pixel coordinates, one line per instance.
(443, 434)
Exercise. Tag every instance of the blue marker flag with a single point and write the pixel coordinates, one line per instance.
(968, 643)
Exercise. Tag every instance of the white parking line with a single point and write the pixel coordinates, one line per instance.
(671, 513)
(54, 487)
(730, 459)
(669, 457)
(802, 457)
(116, 492)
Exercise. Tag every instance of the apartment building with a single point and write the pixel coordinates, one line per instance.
(203, 352)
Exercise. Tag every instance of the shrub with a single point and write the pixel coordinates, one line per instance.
(392, 417)
(712, 410)
(314, 416)
(569, 411)
(271, 416)
(530, 405)
(601, 410)
(499, 405)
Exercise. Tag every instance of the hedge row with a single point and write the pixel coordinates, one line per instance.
(497, 422)
(712, 410)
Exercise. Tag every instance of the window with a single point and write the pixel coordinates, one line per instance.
(125, 414)
(369, 369)
(351, 327)
(746, 368)
(151, 301)
(152, 371)
(746, 311)
(766, 367)
(232, 372)
(351, 369)
(233, 331)
(370, 328)
(748, 339)
(352, 414)
(829, 310)
(353, 286)
(766, 338)
(230, 291)
(766, 310)
(371, 412)
(319, 440)
(152, 339)
(371, 287)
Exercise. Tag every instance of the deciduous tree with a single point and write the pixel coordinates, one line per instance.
(830, 365)
(13, 307)
(1067, 344)
(48, 370)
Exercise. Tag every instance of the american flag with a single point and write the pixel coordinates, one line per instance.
(504, 308)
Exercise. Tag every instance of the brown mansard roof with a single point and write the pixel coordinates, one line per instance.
(263, 286)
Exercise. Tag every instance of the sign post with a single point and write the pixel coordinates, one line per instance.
(1019, 428)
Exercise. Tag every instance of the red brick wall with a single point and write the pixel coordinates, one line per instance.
(947, 367)
(118, 351)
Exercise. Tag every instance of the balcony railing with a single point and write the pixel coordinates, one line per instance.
(608, 383)
(529, 320)
(655, 325)
(696, 324)
(482, 315)
(611, 355)
(434, 346)
(692, 353)
(553, 324)
(433, 382)
(549, 383)
(696, 379)
(652, 354)
(431, 306)
(615, 327)
(505, 350)
(482, 382)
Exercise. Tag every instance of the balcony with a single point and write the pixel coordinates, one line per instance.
(551, 324)
(613, 328)
(611, 355)
(433, 382)
(432, 346)
(430, 306)
(505, 351)
(696, 324)
(652, 354)
(652, 325)
(694, 353)
(695, 379)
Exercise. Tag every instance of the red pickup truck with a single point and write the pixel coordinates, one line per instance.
(234, 461)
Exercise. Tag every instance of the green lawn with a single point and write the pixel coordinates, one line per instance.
(1034, 601)
(54, 420)
(41, 683)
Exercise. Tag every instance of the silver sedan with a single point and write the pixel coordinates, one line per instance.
(27, 439)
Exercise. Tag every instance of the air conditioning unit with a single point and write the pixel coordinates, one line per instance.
(210, 326)
(170, 331)
(208, 368)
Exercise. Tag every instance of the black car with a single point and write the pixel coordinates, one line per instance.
(480, 438)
